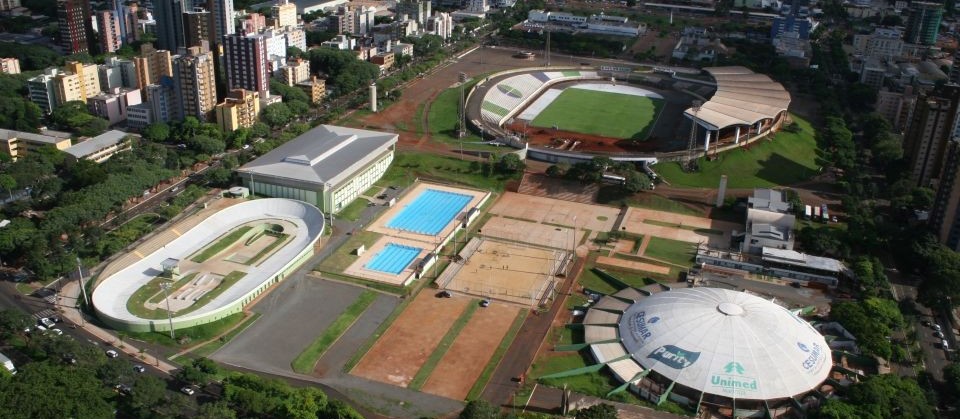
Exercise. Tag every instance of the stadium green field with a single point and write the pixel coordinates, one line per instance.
(606, 114)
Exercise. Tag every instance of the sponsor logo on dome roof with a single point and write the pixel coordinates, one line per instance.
(674, 357)
(638, 326)
(734, 381)
(814, 354)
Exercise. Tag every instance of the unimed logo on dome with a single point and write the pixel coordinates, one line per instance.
(734, 380)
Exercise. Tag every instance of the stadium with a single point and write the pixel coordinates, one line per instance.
(725, 352)
(574, 113)
(212, 270)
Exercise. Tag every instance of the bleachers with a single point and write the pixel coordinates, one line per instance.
(625, 369)
(593, 333)
(513, 92)
(606, 352)
(611, 304)
(601, 317)
(629, 294)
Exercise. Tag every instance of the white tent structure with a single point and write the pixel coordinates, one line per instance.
(726, 343)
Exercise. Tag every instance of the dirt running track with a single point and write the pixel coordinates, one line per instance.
(460, 367)
(405, 346)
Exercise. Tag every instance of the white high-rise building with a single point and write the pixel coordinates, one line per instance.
(285, 13)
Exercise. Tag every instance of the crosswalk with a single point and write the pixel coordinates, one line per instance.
(44, 313)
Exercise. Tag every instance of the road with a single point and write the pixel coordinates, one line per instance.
(934, 357)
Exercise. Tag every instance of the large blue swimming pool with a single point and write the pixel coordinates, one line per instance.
(393, 259)
(430, 212)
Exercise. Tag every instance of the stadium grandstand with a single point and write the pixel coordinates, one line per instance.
(510, 95)
(746, 104)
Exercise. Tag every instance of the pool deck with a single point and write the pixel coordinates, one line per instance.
(426, 242)
(380, 224)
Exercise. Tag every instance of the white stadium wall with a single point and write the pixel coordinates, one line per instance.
(111, 295)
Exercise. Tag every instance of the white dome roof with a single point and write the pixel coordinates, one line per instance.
(725, 342)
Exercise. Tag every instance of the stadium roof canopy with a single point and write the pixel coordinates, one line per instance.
(725, 342)
(742, 98)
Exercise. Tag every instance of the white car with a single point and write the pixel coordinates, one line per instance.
(139, 368)
(46, 322)
(57, 332)
(188, 391)
(112, 353)
(40, 328)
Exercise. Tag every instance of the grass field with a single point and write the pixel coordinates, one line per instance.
(304, 362)
(787, 159)
(280, 238)
(345, 255)
(671, 251)
(613, 115)
(222, 244)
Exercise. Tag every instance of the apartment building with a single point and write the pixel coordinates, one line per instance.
(239, 110)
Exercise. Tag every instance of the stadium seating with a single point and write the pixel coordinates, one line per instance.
(593, 334)
(625, 369)
(513, 93)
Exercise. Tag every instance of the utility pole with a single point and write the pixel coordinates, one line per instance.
(166, 294)
(82, 290)
(691, 162)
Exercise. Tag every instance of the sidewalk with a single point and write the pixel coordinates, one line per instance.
(70, 294)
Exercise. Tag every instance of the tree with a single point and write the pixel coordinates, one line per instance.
(889, 396)
(837, 409)
(510, 163)
(635, 181)
(158, 132)
(206, 145)
(298, 108)
(951, 376)
(13, 322)
(148, 393)
(7, 182)
(46, 390)
(479, 409)
(554, 171)
(276, 115)
(217, 410)
(598, 411)
(259, 130)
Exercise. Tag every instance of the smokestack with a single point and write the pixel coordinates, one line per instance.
(722, 191)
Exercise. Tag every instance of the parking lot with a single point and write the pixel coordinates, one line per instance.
(292, 317)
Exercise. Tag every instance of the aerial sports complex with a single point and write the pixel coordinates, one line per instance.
(711, 349)
(632, 114)
(213, 269)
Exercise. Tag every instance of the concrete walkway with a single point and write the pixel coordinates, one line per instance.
(70, 294)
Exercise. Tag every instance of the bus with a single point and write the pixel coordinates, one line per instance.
(807, 212)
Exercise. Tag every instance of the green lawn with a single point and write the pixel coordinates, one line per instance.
(407, 166)
(154, 287)
(430, 364)
(136, 306)
(607, 114)
(352, 212)
(305, 362)
(340, 259)
(614, 195)
(691, 228)
(212, 346)
(672, 251)
(789, 158)
(589, 279)
(222, 244)
(195, 334)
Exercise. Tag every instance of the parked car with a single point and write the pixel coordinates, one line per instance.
(188, 391)
(139, 368)
(937, 328)
(392, 187)
(938, 334)
(57, 332)
(944, 344)
(485, 303)
(444, 294)
(46, 322)
(112, 353)
(577, 313)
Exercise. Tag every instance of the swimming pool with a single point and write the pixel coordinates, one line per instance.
(393, 259)
(431, 211)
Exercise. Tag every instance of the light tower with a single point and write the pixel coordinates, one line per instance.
(462, 126)
(691, 163)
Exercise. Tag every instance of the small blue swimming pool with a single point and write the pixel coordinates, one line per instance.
(430, 212)
(393, 259)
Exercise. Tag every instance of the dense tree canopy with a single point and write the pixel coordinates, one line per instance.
(346, 73)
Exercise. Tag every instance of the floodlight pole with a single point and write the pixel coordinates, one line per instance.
(166, 286)
(82, 290)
